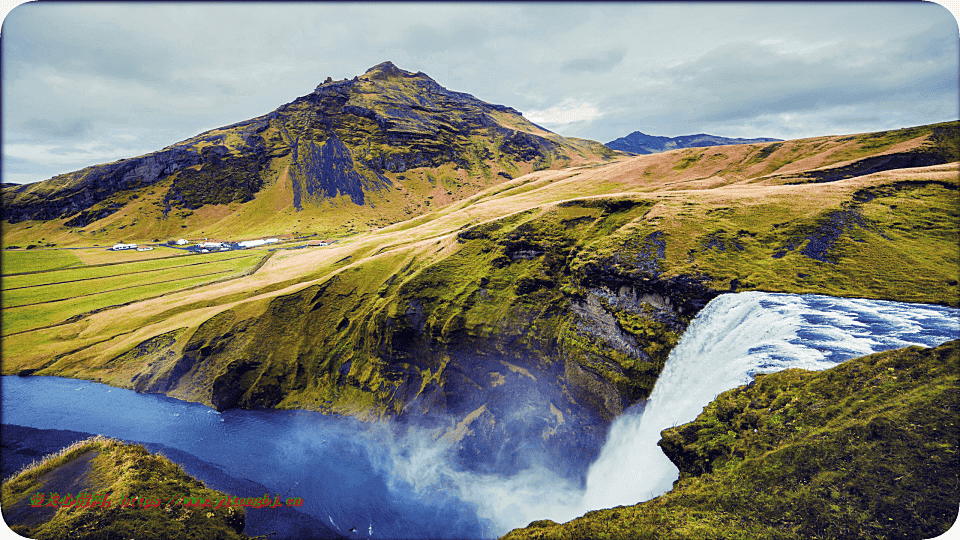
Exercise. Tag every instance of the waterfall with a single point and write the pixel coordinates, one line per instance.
(734, 337)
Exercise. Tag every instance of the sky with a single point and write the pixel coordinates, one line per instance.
(89, 83)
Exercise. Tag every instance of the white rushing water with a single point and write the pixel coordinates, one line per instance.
(733, 338)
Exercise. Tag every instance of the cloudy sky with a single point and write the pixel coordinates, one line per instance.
(87, 83)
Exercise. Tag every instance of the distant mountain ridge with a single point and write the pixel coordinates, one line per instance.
(641, 143)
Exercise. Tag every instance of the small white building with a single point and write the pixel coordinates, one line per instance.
(121, 247)
(144, 248)
(255, 243)
(182, 242)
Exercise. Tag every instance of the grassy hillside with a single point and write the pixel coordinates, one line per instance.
(867, 449)
(561, 290)
(121, 473)
(583, 277)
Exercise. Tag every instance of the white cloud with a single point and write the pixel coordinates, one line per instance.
(159, 73)
(567, 112)
(89, 153)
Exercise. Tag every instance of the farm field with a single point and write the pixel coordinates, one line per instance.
(47, 287)
(17, 261)
(20, 261)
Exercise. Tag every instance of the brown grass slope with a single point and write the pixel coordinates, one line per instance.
(867, 449)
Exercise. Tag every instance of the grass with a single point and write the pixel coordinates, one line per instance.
(30, 317)
(73, 286)
(42, 260)
(36, 300)
(116, 470)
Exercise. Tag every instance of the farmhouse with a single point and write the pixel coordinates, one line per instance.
(122, 246)
(255, 243)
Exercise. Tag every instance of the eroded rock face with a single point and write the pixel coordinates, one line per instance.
(326, 170)
(597, 321)
(92, 185)
(515, 395)
(509, 408)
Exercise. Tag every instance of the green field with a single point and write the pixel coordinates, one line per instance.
(16, 261)
(46, 297)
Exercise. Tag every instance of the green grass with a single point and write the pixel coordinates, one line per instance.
(31, 317)
(119, 470)
(80, 283)
(88, 289)
(15, 261)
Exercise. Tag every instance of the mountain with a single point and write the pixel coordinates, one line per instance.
(863, 450)
(380, 147)
(641, 143)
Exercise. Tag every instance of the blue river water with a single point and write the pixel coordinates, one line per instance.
(381, 480)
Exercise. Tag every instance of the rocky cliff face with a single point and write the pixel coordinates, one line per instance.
(71, 194)
(343, 139)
